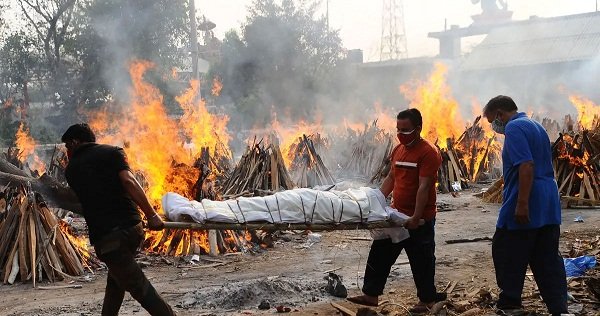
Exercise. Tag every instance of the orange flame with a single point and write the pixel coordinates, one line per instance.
(154, 141)
(26, 145)
(203, 128)
(157, 149)
(80, 243)
(588, 112)
(385, 120)
(441, 117)
(289, 135)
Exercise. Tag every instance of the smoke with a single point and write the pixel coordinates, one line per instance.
(137, 30)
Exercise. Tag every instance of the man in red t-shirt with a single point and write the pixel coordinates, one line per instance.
(412, 178)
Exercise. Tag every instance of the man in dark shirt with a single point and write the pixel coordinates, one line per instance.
(108, 192)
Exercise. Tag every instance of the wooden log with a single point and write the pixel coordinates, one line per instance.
(582, 186)
(9, 168)
(571, 182)
(15, 266)
(43, 257)
(22, 241)
(468, 240)
(566, 180)
(578, 199)
(32, 248)
(9, 228)
(274, 174)
(212, 242)
(69, 259)
(56, 194)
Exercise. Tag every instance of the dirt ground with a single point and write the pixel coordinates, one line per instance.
(292, 273)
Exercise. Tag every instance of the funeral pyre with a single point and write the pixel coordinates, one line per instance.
(576, 156)
(34, 244)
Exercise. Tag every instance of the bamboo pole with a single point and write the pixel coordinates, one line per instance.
(279, 226)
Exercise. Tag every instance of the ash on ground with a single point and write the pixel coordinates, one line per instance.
(248, 294)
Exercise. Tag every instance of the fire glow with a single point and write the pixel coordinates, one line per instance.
(154, 141)
(442, 119)
(588, 113)
(26, 145)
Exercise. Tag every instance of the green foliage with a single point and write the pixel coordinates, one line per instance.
(284, 59)
(19, 63)
(109, 34)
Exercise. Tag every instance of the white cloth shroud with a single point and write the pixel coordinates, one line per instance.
(293, 207)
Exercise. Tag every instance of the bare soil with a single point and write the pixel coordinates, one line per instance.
(292, 273)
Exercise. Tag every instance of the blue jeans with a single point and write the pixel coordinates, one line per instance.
(420, 249)
(513, 250)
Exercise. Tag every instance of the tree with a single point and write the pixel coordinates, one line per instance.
(109, 34)
(51, 19)
(284, 59)
(19, 64)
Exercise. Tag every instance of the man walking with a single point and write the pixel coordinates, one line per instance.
(412, 178)
(108, 192)
(528, 227)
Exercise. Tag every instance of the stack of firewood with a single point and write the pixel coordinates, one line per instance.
(307, 167)
(56, 193)
(494, 193)
(261, 168)
(34, 245)
(180, 242)
(576, 166)
(464, 160)
(453, 174)
(476, 151)
(370, 149)
(384, 166)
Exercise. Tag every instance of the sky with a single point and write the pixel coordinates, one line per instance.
(359, 21)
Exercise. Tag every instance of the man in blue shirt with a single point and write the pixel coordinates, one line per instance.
(528, 227)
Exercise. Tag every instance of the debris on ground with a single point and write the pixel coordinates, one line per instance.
(249, 293)
(335, 286)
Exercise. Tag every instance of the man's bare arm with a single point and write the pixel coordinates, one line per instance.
(388, 183)
(525, 184)
(425, 184)
(135, 191)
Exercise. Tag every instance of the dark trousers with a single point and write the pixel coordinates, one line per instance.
(513, 250)
(420, 249)
(118, 250)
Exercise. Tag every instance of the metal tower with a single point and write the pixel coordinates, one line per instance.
(393, 36)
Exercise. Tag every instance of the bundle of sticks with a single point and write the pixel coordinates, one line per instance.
(307, 167)
(576, 160)
(177, 242)
(261, 168)
(370, 148)
(494, 193)
(476, 151)
(452, 175)
(34, 244)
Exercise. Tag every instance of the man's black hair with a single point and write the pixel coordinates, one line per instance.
(413, 115)
(81, 132)
(501, 102)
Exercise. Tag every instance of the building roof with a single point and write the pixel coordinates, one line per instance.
(538, 41)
